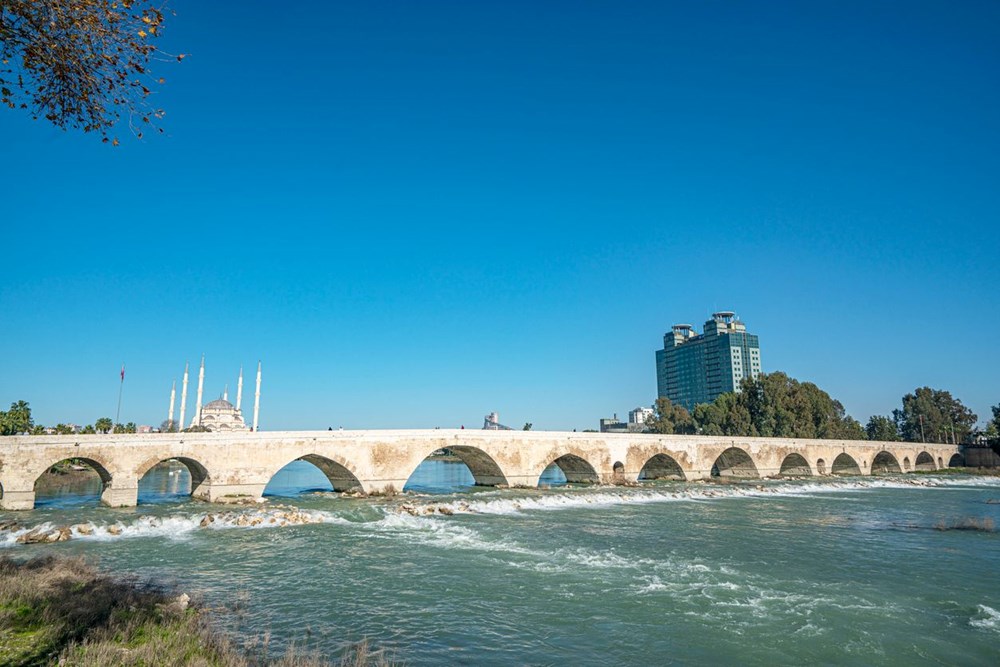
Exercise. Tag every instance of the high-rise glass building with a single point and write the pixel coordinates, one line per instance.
(693, 368)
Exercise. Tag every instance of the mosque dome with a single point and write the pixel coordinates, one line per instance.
(221, 415)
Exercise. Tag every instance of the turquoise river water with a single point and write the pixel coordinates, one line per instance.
(831, 571)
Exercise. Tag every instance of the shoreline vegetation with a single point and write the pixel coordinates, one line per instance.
(64, 611)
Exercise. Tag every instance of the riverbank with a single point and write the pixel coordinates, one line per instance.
(64, 611)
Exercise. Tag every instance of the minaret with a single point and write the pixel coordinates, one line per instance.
(239, 389)
(173, 397)
(201, 387)
(184, 397)
(256, 400)
(225, 393)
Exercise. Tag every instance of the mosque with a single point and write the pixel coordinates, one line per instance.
(220, 414)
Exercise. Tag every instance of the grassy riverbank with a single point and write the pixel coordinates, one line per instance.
(65, 612)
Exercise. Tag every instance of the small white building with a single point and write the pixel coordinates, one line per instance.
(640, 415)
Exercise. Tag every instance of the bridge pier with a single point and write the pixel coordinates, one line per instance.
(17, 500)
(114, 496)
(378, 487)
(223, 493)
(528, 480)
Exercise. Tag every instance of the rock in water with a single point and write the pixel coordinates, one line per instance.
(33, 536)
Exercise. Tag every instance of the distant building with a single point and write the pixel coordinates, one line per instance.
(693, 368)
(221, 415)
(613, 425)
(145, 429)
(492, 423)
(636, 422)
(218, 415)
(639, 416)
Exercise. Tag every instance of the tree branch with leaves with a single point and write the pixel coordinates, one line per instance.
(82, 64)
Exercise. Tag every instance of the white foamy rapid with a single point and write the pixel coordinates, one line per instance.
(420, 517)
(986, 618)
(177, 526)
(513, 503)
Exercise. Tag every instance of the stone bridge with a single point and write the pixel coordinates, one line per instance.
(226, 465)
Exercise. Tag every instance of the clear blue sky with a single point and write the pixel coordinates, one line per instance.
(418, 212)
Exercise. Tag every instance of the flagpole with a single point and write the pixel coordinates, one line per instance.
(120, 388)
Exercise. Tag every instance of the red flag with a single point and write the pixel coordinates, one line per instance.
(123, 372)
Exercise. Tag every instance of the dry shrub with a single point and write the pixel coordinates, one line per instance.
(64, 611)
(983, 525)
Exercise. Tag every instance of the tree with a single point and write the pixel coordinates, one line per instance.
(63, 429)
(783, 407)
(993, 430)
(527, 426)
(774, 405)
(38, 429)
(130, 427)
(88, 430)
(17, 419)
(82, 64)
(881, 428)
(103, 425)
(933, 415)
(726, 415)
(170, 426)
(669, 418)
(119, 428)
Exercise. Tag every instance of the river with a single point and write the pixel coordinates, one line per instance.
(833, 571)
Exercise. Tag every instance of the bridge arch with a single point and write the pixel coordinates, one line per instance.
(956, 461)
(885, 463)
(734, 462)
(200, 479)
(472, 462)
(100, 467)
(662, 466)
(845, 464)
(576, 469)
(97, 466)
(795, 465)
(485, 470)
(924, 461)
(336, 470)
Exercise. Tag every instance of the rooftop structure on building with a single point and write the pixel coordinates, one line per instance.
(696, 368)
